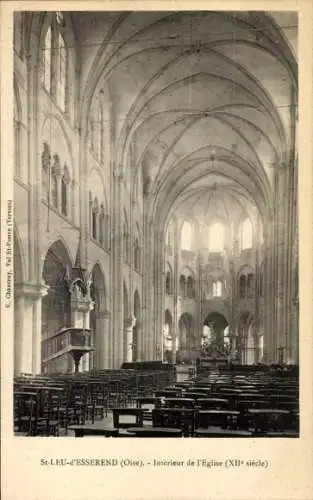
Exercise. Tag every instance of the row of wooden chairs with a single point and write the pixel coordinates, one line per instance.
(46, 404)
(189, 421)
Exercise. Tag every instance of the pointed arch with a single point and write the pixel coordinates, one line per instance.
(56, 305)
(98, 294)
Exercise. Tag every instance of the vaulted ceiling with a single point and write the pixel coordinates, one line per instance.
(200, 99)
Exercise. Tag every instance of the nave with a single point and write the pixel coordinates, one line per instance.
(156, 222)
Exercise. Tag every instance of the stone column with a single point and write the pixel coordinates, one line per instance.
(232, 295)
(200, 285)
(19, 314)
(256, 287)
(269, 295)
(159, 291)
(138, 340)
(36, 336)
(103, 354)
(117, 266)
(177, 305)
(128, 339)
(27, 347)
(281, 200)
(129, 352)
(33, 177)
(148, 288)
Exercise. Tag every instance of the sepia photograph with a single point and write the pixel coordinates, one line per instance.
(154, 224)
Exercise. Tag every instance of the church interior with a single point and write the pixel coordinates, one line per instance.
(156, 224)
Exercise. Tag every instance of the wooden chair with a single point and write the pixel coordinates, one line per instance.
(179, 418)
(221, 418)
(119, 412)
(179, 403)
(147, 404)
(266, 419)
(213, 404)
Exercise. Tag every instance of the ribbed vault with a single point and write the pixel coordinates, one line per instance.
(201, 99)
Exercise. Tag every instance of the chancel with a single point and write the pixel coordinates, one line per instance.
(156, 224)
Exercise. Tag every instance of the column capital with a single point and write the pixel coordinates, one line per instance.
(31, 290)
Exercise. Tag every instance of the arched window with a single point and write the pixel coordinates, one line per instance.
(62, 77)
(216, 238)
(246, 234)
(47, 60)
(186, 235)
(182, 286)
(217, 288)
